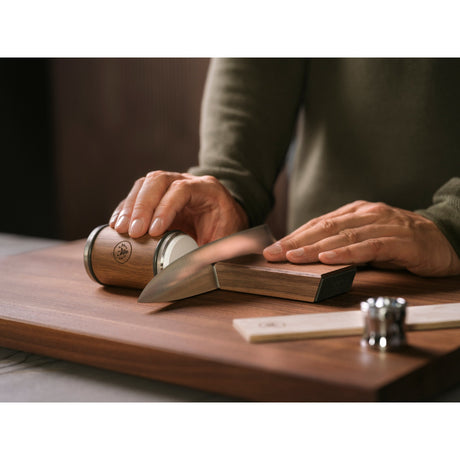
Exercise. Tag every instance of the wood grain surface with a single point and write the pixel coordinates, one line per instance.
(253, 274)
(50, 306)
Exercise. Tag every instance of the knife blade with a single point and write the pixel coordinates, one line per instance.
(194, 272)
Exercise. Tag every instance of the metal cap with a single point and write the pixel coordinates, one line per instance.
(172, 245)
(88, 252)
(384, 322)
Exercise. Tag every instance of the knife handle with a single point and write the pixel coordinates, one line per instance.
(115, 259)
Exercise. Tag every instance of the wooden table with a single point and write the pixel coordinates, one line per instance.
(48, 305)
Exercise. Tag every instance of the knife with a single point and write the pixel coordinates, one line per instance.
(194, 273)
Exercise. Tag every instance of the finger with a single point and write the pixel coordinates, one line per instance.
(203, 203)
(179, 195)
(171, 204)
(346, 237)
(123, 219)
(343, 210)
(115, 214)
(323, 229)
(155, 185)
(393, 250)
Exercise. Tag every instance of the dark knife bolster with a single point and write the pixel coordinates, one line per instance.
(335, 284)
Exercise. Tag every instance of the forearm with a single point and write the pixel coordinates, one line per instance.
(249, 112)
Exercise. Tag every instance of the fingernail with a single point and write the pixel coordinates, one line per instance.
(275, 249)
(329, 255)
(156, 226)
(114, 218)
(136, 228)
(122, 224)
(300, 252)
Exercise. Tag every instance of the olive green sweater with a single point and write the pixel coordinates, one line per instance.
(371, 129)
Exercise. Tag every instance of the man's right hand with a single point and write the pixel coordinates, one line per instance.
(199, 206)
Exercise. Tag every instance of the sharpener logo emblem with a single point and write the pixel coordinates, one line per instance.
(122, 252)
(270, 324)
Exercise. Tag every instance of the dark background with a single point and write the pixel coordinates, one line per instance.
(76, 133)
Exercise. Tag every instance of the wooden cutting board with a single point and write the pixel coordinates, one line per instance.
(48, 305)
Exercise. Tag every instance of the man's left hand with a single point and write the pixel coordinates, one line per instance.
(363, 232)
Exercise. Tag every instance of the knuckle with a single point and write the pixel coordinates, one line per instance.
(423, 226)
(289, 245)
(179, 184)
(181, 189)
(350, 235)
(378, 208)
(139, 181)
(328, 225)
(316, 248)
(140, 207)
(207, 184)
(210, 180)
(404, 223)
(404, 220)
(376, 245)
(159, 178)
(155, 174)
(346, 253)
(314, 221)
(360, 203)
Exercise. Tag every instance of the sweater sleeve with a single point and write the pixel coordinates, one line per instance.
(445, 211)
(248, 116)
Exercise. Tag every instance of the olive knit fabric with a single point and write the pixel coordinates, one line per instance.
(358, 129)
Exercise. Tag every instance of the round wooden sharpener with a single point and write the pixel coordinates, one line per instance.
(115, 259)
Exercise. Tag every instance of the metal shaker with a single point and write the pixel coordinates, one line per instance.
(384, 322)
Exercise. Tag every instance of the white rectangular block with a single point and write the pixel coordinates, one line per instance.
(334, 324)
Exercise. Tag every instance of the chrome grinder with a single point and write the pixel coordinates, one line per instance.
(384, 323)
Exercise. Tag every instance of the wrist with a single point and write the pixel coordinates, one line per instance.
(242, 217)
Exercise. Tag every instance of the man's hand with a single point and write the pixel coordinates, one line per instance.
(199, 206)
(363, 232)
